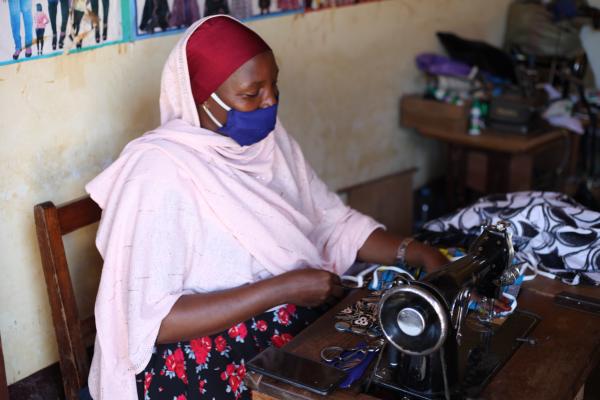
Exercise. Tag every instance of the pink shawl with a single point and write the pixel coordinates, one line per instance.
(162, 194)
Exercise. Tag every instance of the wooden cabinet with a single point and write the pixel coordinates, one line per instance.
(388, 200)
(3, 386)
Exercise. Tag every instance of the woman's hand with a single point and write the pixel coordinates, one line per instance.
(430, 257)
(500, 305)
(310, 287)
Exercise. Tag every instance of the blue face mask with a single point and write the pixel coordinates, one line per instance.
(245, 127)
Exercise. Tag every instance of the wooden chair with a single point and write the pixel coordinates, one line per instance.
(3, 385)
(73, 334)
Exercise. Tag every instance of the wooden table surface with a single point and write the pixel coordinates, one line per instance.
(495, 141)
(558, 367)
(552, 370)
(308, 344)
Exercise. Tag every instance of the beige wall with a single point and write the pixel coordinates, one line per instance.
(64, 119)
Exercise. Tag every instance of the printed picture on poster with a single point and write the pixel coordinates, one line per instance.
(31, 29)
(157, 16)
(315, 5)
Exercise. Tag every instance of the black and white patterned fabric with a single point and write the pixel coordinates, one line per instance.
(551, 231)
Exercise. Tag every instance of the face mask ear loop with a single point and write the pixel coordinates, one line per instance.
(359, 279)
(220, 102)
(212, 117)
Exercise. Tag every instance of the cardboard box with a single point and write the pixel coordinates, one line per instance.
(417, 112)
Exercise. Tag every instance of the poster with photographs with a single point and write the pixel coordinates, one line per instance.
(31, 29)
(154, 17)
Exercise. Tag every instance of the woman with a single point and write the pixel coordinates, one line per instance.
(216, 234)
(155, 14)
(79, 9)
(264, 6)
(96, 11)
(184, 13)
(64, 13)
(215, 7)
(18, 8)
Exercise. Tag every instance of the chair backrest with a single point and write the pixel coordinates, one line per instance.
(3, 385)
(73, 334)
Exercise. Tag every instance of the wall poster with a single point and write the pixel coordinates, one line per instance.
(162, 16)
(31, 29)
(315, 5)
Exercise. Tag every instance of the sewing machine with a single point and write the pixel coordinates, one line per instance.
(522, 357)
(435, 349)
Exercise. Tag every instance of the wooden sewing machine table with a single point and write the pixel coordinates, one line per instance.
(554, 369)
(492, 162)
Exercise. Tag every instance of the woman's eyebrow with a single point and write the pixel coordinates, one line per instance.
(250, 85)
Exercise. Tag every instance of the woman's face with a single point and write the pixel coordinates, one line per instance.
(252, 86)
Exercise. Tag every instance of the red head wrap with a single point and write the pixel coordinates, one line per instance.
(216, 50)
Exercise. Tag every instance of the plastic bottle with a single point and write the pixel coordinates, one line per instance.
(423, 207)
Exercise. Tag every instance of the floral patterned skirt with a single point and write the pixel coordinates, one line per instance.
(213, 367)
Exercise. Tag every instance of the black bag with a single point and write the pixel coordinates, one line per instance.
(486, 57)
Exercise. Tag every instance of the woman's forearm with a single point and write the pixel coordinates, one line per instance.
(382, 247)
(203, 314)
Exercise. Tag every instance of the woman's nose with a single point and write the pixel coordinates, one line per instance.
(270, 98)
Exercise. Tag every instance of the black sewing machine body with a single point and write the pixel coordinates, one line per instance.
(433, 350)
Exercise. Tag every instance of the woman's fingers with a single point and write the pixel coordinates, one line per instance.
(336, 280)
(338, 291)
(501, 305)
